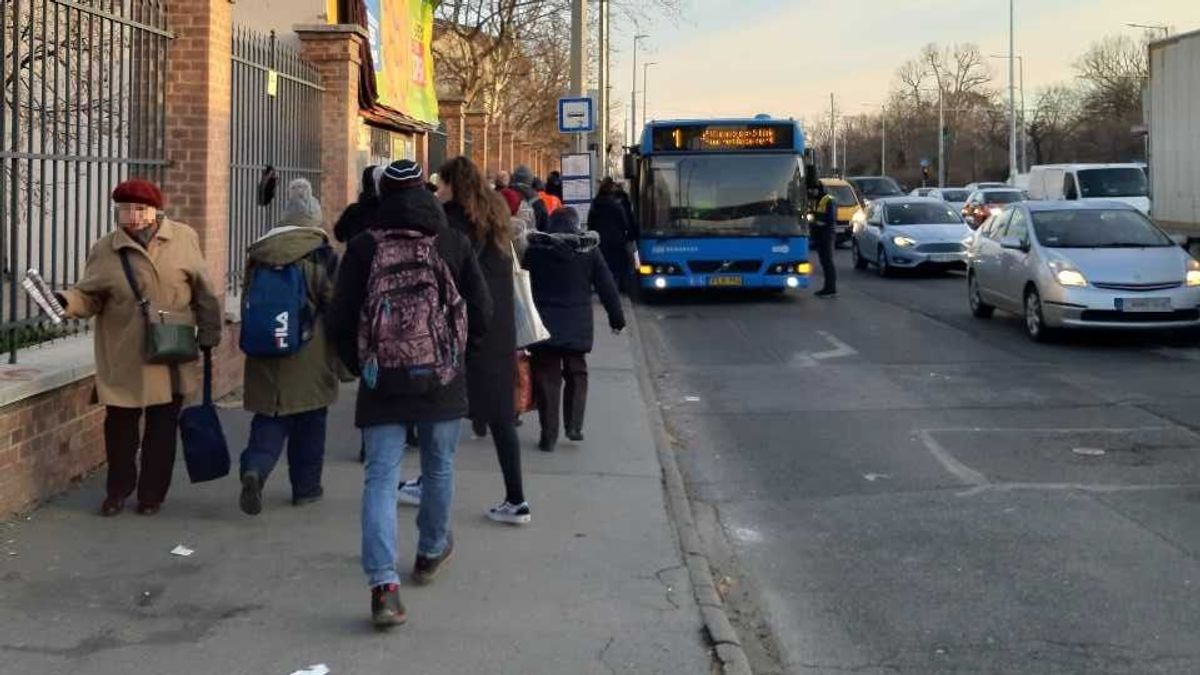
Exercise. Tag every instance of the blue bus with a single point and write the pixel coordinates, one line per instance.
(722, 204)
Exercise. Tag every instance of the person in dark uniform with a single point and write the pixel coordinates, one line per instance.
(823, 238)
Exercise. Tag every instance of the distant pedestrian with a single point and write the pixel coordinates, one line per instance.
(484, 217)
(554, 184)
(552, 203)
(142, 399)
(409, 295)
(523, 220)
(501, 180)
(565, 266)
(607, 218)
(823, 235)
(290, 384)
(627, 206)
(522, 182)
(353, 220)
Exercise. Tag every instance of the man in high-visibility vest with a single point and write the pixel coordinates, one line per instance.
(823, 235)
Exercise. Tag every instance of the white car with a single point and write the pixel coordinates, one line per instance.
(1081, 265)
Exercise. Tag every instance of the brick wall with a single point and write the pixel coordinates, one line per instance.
(478, 128)
(47, 443)
(450, 112)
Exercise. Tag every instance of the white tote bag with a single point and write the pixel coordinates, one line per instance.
(530, 329)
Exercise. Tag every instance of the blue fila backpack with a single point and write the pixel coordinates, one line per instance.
(277, 317)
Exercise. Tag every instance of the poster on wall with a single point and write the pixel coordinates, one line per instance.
(373, 28)
(403, 54)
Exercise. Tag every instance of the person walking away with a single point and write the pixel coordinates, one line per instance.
(353, 220)
(482, 215)
(607, 218)
(501, 180)
(552, 203)
(409, 299)
(523, 220)
(522, 182)
(824, 236)
(564, 266)
(554, 184)
(290, 382)
(165, 263)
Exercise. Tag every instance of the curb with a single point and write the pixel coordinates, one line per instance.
(726, 643)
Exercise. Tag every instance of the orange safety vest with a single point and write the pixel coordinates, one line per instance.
(552, 203)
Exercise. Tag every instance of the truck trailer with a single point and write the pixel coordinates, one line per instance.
(1173, 117)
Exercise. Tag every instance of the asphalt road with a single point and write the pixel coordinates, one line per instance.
(902, 488)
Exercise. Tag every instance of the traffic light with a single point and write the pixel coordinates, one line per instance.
(924, 176)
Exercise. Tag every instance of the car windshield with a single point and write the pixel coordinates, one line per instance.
(955, 195)
(1004, 197)
(917, 213)
(880, 186)
(1095, 228)
(1114, 182)
(842, 194)
(725, 195)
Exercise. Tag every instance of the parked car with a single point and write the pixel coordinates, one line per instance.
(1081, 265)
(955, 197)
(876, 187)
(922, 192)
(1085, 182)
(848, 204)
(987, 202)
(985, 185)
(909, 233)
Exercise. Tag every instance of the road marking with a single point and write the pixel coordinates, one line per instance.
(1074, 487)
(840, 349)
(960, 471)
(1060, 430)
(872, 477)
(1185, 354)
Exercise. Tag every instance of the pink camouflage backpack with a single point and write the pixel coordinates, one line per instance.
(412, 335)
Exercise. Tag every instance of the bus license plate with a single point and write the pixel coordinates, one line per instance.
(1143, 304)
(724, 281)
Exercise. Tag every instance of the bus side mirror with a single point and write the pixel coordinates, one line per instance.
(629, 167)
(811, 180)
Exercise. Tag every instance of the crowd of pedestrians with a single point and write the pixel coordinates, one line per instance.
(411, 292)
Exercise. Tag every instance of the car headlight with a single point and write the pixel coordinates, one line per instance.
(903, 241)
(1193, 273)
(1066, 274)
(810, 217)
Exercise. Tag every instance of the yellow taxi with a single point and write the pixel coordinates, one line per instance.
(848, 204)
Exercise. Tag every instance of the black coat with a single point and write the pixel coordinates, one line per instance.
(408, 209)
(353, 220)
(492, 363)
(607, 218)
(563, 270)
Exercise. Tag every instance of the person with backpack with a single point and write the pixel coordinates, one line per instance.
(353, 220)
(609, 219)
(522, 182)
(291, 374)
(564, 266)
(410, 300)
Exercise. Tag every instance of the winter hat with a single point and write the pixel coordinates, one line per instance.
(138, 191)
(538, 184)
(400, 175)
(513, 198)
(301, 208)
(522, 175)
(564, 221)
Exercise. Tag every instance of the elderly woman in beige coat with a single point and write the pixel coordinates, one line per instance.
(171, 275)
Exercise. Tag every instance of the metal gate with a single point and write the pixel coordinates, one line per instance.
(83, 109)
(276, 123)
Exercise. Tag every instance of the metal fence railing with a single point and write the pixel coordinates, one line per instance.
(82, 109)
(275, 122)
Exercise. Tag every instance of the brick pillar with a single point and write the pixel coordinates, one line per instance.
(525, 153)
(450, 111)
(500, 157)
(511, 147)
(334, 50)
(198, 105)
(477, 126)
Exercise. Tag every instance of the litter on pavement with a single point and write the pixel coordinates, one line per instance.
(1088, 452)
(319, 669)
(182, 551)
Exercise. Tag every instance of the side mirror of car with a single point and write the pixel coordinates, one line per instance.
(1181, 240)
(1013, 244)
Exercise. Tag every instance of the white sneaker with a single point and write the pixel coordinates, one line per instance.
(513, 514)
(410, 492)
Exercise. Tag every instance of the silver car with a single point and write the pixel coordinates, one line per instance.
(907, 233)
(1081, 265)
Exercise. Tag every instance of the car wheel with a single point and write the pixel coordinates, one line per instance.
(885, 268)
(979, 308)
(1035, 320)
(860, 263)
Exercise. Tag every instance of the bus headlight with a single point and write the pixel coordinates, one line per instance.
(793, 282)
(645, 270)
(804, 268)
(660, 283)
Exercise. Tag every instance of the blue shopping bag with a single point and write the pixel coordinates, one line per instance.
(204, 448)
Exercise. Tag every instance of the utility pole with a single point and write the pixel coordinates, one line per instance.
(941, 137)
(1024, 131)
(602, 104)
(1012, 95)
(646, 88)
(832, 137)
(883, 140)
(579, 59)
(633, 93)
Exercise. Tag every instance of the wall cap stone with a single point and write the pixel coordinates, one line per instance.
(46, 368)
(332, 29)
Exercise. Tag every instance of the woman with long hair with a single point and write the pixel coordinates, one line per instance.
(474, 208)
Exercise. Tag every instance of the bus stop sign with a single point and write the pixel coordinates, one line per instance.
(576, 115)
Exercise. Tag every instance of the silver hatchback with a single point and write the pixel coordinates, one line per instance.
(1081, 265)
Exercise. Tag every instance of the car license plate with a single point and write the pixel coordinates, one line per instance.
(946, 257)
(724, 281)
(1143, 304)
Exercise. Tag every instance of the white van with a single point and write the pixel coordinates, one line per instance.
(1088, 182)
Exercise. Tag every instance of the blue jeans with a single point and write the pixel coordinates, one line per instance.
(384, 451)
(304, 434)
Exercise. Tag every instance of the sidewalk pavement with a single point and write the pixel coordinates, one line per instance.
(594, 585)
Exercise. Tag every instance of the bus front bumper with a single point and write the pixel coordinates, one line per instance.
(662, 282)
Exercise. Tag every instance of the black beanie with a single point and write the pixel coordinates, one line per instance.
(400, 175)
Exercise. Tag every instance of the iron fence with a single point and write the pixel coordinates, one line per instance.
(275, 124)
(83, 109)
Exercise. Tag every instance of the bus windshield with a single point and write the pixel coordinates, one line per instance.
(724, 195)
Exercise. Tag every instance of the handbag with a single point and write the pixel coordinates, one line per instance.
(164, 342)
(204, 448)
(523, 384)
(530, 329)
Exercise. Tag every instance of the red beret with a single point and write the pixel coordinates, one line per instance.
(513, 198)
(138, 191)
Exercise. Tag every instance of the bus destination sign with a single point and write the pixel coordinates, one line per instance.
(724, 137)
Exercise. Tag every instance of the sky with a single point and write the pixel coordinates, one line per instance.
(784, 57)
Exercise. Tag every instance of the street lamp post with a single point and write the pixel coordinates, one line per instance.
(1012, 95)
(646, 87)
(633, 94)
(1024, 136)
